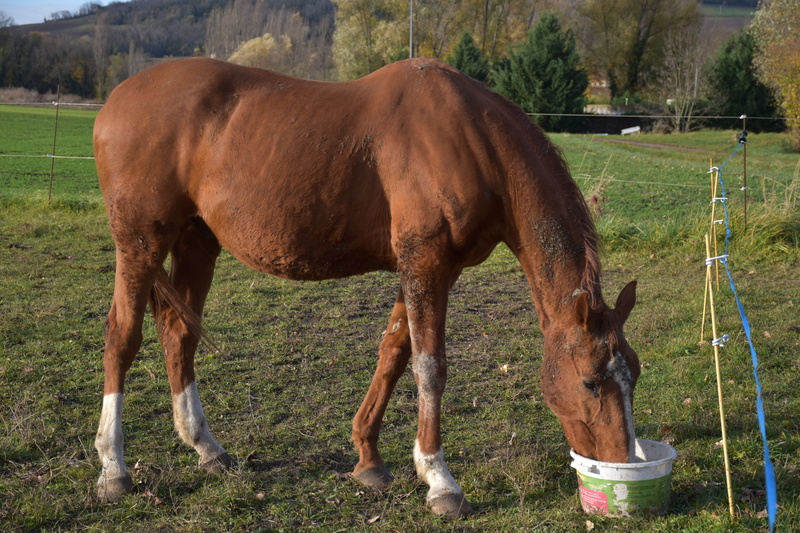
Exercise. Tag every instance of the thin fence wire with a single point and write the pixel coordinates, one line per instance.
(51, 156)
(625, 115)
(583, 177)
(44, 104)
(532, 114)
(638, 182)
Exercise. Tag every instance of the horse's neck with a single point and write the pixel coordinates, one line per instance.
(553, 283)
(557, 258)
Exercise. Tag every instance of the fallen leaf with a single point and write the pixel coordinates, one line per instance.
(155, 499)
(374, 519)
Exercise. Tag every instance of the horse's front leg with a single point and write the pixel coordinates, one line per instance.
(426, 299)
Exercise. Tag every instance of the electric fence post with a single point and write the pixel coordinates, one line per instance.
(53, 154)
(743, 142)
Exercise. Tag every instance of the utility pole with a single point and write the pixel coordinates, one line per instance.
(411, 29)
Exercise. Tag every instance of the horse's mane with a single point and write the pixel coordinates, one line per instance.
(590, 282)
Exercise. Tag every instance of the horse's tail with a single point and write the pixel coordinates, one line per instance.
(165, 295)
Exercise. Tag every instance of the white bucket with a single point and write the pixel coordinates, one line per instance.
(625, 489)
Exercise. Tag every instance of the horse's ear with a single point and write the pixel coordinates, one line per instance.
(584, 314)
(625, 301)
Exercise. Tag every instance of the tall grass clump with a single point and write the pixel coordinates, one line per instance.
(769, 230)
(772, 232)
(772, 227)
(653, 236)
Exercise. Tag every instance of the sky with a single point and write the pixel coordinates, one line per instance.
(35, 11)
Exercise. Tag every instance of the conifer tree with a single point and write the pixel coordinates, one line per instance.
(737, 89)
(544, 74)
(468, 58)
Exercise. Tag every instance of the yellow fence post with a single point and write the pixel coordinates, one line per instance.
(717, 343)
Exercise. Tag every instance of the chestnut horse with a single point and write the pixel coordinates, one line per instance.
(415, 168)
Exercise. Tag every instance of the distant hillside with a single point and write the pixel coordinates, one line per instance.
(89, 53)
(162, 28)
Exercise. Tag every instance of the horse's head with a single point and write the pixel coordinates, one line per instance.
(588, 375)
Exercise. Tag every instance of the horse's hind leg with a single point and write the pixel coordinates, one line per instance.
(394, 353)
(137, 264)
(178, 322)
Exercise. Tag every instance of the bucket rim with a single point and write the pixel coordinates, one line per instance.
(673, 454)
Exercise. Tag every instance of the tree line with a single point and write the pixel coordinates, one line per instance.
(86, 9)
(547, 55)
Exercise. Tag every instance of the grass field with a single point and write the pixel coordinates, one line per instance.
(297, 358)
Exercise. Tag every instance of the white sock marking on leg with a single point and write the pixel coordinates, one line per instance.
(433, 471)
(192, 426)
(109, 441)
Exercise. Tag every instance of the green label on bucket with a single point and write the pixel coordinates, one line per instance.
(623, 498)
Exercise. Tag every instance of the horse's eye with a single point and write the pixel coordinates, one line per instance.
(591, 386)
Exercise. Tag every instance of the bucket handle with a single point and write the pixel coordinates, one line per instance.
(592, 468)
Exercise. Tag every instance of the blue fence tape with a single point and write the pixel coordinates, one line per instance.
(769, 470)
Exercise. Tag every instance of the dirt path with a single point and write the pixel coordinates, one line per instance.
(654, 145)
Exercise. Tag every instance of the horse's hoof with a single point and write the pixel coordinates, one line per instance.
(218, 464)
(377, 478)
(450, 506)
(113, 490)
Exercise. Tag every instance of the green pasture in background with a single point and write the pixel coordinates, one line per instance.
(296, 360)
(28, 131)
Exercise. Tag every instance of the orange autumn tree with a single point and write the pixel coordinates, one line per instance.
(776, 28)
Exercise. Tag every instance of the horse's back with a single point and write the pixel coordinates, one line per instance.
(311, 179)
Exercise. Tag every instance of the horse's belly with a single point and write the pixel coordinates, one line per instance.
(328, 263)
(298, 251)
